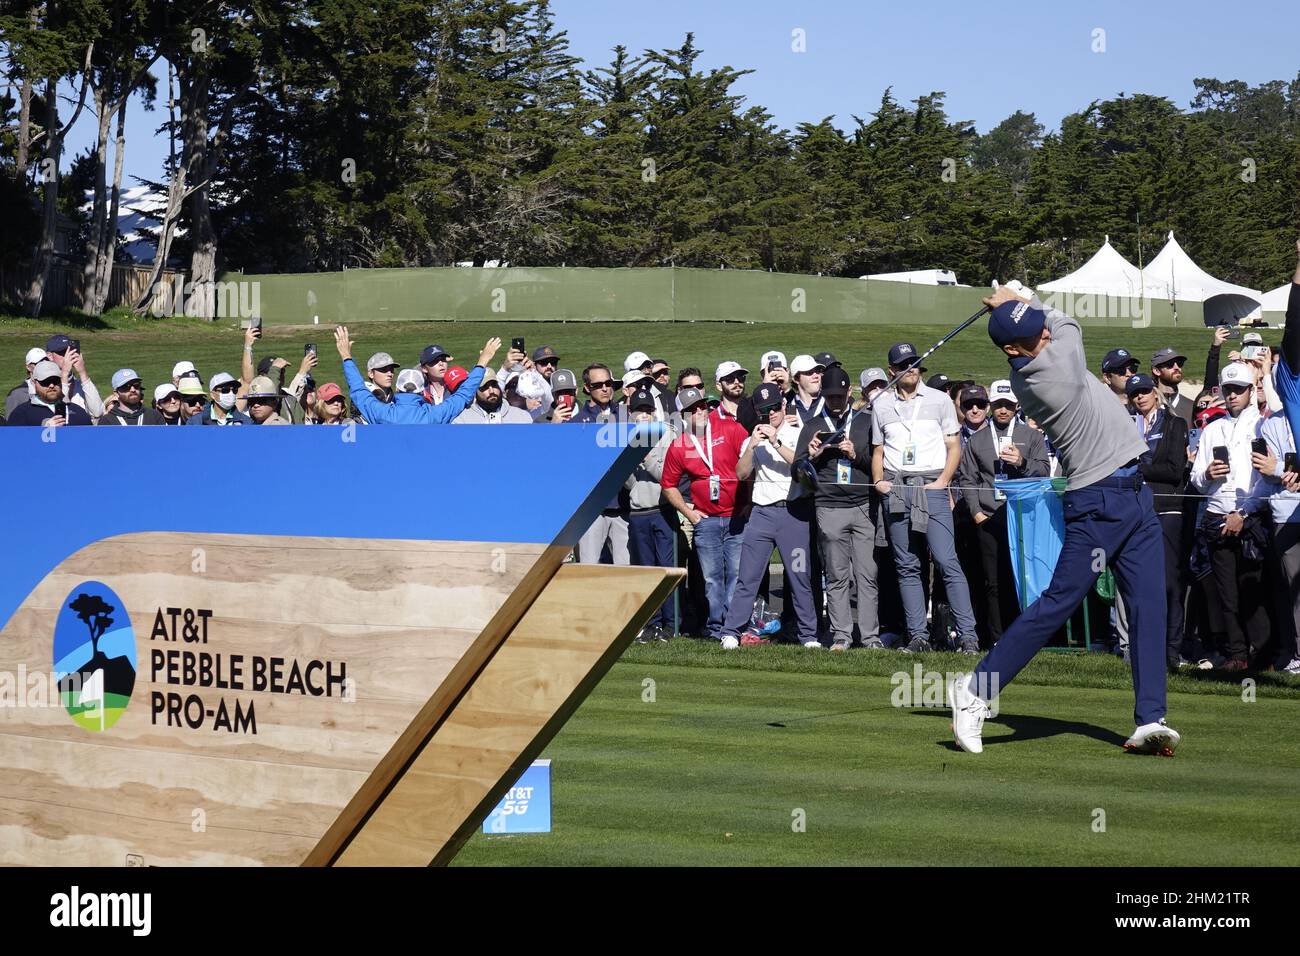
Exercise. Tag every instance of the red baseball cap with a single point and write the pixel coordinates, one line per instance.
(455, 375)
(327, 391)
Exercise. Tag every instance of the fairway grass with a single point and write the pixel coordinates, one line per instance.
(734, 749)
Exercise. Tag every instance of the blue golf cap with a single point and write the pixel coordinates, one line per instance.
(1015, 320)
(1138, 383)
(902, 355)
(1117, 360)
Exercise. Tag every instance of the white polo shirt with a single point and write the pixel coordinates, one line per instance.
(771, 471)
(912, 432)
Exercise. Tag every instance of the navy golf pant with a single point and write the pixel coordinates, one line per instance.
(1106, 525)
(650, 540)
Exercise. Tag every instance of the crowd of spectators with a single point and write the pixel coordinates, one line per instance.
(885, 505)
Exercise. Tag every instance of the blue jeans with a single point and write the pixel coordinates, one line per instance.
(717, 543)
(1107, 524)
(943, 551)
(650, 540)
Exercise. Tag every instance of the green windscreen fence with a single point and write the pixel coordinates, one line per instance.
(642, 295)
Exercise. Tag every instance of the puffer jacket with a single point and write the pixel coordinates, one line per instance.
(409, 408)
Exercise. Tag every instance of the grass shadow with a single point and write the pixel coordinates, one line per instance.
(1026, 727)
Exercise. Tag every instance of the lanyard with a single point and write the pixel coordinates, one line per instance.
(916, 411)
(848, 421)
(708, 440)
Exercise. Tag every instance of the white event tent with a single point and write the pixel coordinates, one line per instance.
(1106, 273)
(1173, 275)
(1275, 300)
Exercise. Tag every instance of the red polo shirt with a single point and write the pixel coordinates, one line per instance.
(727, 438)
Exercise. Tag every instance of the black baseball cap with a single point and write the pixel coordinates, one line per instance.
(938, 380)
(433, 353)
(835, 381)
(1117, 360)
(974, 393)
(826, 359)
(1138, 383)
(768, 397)
(58, 343)
(642, 398)
(902, 355)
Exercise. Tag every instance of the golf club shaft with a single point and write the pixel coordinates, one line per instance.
(933, 348)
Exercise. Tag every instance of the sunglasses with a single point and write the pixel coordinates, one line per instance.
(967, 406)
(733, 378)
(173, 397)
(607, 383)
(690, 385)
(232, 387)
(50, 382)
(194, 401)
(131, 387)
(1129, 369)
(1172, 363)
(1235, 389)
(261, 401)
(549, 361)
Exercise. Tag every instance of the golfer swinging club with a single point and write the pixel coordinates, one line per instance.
(1110, 521)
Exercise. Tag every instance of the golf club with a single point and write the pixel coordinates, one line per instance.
(930, 351)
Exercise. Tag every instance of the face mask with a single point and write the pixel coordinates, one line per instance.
(226, 400)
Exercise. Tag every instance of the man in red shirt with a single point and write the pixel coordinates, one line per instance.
(705, 454)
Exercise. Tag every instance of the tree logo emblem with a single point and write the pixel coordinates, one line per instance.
(94, 656)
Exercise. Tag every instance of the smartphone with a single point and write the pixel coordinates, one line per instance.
(564, 401)
(74, 344)
(1194, 439)
(1251, 352)
(830, 438)
(255, 323)
(1290, 462)
(1221, 453)
(1259, 447)
(309, 348)
(1234, 332)
(517, 343)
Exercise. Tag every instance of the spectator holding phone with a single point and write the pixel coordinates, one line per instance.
(48, 407)
(1277, 463)
(1231, 532)
(836, 446)
(79, 389)
(564, 397)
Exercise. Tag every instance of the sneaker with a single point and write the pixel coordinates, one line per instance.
(840, 645)
(749, 640)
(969, 646)
(873, 644)
(1205, 664)
(663, 634)
(890, 639)
(918, 645)
(1157, 738)
(968, 713)
(1293, 667)
(729, 643)
(643, 636)
(1234, 666)
(813, 644)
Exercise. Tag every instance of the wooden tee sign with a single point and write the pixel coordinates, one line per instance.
(325, 648)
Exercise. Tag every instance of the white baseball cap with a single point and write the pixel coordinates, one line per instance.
(728, 368)
(409, 380)
(45, 369)
(804, 363)
(636, 360)
(221, 378)
(183, 368)
(34, 356)
(1252, 338)
(163, 390)
(380, 360)
(1001, 391)
(1237, 373)
(122, 376)
(770, 359)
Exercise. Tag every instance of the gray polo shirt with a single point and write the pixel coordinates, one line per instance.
(913, 432)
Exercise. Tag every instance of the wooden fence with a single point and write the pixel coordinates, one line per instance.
(63, 287)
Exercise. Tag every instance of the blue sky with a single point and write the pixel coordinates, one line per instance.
(990, 58)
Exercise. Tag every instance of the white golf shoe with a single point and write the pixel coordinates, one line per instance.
(730, 643)
(968, 713)
(1157, 738)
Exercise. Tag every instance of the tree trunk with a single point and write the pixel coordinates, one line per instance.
(99, 208)
(104, 274)
(44, 257)
(203, 255)
(25, 117)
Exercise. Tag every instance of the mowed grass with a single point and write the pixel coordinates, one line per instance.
(716, 770)
(152, 346)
